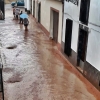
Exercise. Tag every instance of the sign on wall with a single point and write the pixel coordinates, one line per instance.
(2, 11)
(73, 1)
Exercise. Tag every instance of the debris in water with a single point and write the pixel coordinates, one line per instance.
(15, 78)
(11, 47)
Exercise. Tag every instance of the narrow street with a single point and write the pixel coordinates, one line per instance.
(33, 68)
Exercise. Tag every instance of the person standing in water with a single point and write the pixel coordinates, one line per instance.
(26, 23)
(14, 11)
(21, 19)
(17, 12)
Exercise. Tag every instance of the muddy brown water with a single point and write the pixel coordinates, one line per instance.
(34, 70)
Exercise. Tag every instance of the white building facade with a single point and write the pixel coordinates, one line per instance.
(27, 5)
(49, 14)
(81, 37)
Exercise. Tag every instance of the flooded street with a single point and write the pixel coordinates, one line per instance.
(33, 68)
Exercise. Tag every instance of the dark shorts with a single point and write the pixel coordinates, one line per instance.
(17, 16)
(21, 19)
(25, 24)
(13, 13)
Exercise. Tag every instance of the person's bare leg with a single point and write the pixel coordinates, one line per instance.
(25, 28)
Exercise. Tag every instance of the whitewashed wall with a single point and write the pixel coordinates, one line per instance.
(94, 15)
(25, 1)
(45, 14)
(71, 11)
(75, 29)
(36, 10)
(27, 4)
(93, 48)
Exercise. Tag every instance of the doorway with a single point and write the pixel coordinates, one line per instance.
(55, 25)
(84, 11)
(39, 12)
(33, 8)
(68, 36)
(82, 46)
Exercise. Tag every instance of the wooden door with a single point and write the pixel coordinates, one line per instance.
(84, 11)
(39, 12)
(82, 45)
(68, 36)
(55, 25)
